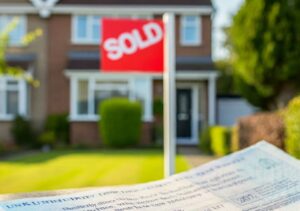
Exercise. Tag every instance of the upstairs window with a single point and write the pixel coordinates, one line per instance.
(190, 30)
(86, 29)
(18, 32)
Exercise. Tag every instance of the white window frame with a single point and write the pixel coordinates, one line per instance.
(22, 22)
(89, 41)
(74, 116)
(198, 25)
(22, 94)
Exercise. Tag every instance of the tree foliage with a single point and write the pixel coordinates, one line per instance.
(264, 41)
(5, 69)
(225, 84)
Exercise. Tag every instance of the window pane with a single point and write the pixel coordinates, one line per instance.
(82, 104)
(190, 29)
(101, 95)
(190, 34)
(18, 33)
(96, 28)
(190, 19)
(81, 27)
(140, 92)
(12, 102)
(12, 85)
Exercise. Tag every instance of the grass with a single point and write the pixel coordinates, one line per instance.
(75, 169)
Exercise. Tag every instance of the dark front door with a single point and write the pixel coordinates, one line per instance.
(184, 112)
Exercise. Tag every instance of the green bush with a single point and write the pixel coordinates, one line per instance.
(58, 125)
(1, 147)
(158, 107)
(234, 141)
(158, 134)
(22, 132)
(292, 127)
(47, 138)
(220, 140)
(205, 140)
(120, 124)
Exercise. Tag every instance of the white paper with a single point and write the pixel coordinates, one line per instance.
(258, 178)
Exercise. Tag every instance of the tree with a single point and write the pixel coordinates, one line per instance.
(264, 41)
(225, 83)
(5, 69)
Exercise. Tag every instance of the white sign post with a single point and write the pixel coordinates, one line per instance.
(169, 95)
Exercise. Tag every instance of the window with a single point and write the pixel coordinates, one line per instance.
(86, 29)
(104, 90)
(190, 30)
(12, 98)
(18, 33)
(87, 93)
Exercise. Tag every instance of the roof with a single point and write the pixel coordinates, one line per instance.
(194, 63)
(90, 60)
(138, 2)
(23, 61)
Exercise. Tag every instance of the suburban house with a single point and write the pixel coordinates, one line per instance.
(66, 62)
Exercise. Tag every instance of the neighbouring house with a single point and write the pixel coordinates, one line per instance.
(230, 108)
(66, 61)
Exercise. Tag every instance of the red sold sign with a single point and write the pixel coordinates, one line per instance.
(132, 45)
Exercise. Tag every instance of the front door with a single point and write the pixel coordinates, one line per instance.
(184, 113)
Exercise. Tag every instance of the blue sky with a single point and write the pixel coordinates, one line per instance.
(224, 11)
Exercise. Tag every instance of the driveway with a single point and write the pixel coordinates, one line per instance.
(194, 156)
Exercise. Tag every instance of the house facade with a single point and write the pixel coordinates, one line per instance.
(66, 62)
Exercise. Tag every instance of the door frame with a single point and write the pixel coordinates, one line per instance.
(195, 114)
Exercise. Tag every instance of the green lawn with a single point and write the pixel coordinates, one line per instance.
(74, 169)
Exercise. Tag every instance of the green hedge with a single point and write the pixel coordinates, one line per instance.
(120, 124)
(220, 140)
(22, 132)
(234, 141)
(47, 138)
(292, 127)
(57, 128)
(1, 147)
(158, 107)
(216, 140)
(205, 140)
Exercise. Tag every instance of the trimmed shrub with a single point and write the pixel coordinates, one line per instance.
(205, 140)
(158, 107)
(58, 125)
(22, 132)
(47, 138)
(158, 130)
(234, 141)
(158, 134)
(220, 140)
(1, 147)
(120, 124)
(262, 126)
(292, 127)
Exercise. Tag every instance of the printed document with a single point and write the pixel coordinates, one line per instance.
(258, 178)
